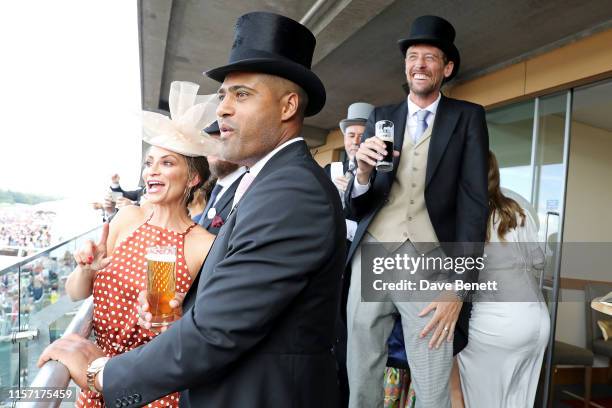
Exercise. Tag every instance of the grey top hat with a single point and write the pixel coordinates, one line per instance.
(358, 114)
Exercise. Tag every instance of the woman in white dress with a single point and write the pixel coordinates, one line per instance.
(500, 367)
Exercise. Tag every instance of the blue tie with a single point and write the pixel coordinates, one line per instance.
(421, 125)
(213, 196)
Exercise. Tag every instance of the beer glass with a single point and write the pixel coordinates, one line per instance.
(161, 284)
(384, 131)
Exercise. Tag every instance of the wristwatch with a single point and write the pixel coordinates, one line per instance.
(92, 370)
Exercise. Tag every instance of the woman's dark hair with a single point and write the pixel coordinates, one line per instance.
(196, 165)
(504, 207)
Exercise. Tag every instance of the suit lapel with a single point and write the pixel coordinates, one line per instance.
(281, 158)
(225, 200)
(444, 125)
(205, 222)
(228, 196)
(284, 156)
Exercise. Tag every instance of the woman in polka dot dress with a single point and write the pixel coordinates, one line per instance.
(173, 170)
(117, 280)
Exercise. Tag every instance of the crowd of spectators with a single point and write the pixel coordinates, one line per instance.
(25, 228)
(41, 284)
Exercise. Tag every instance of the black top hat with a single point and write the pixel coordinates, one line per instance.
(273, 44)
(213, 128)
(435, 31)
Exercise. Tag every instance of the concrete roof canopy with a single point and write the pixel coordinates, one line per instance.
(357, 56)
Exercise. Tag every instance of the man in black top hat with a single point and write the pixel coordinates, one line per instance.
(435, 194)
(258, 322)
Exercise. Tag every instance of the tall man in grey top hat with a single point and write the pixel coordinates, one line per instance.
(436, 193)
(258, 321)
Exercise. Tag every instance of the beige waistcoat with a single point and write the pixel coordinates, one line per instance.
(405, 217)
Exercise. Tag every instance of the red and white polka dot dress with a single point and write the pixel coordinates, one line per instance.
(115, 291)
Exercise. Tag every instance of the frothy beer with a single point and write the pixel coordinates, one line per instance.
(161, 284)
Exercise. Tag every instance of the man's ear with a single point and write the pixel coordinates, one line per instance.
(448, 69)
(290, 103)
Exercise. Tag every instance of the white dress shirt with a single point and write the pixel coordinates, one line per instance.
(227, 181)
(411, 124)
(256, 168)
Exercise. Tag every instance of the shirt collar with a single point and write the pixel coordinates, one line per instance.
(233, 176)
(256, 168)
(413, 108)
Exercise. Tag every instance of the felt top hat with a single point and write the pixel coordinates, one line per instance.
(435, 31)
(358, 114)
(277, 45)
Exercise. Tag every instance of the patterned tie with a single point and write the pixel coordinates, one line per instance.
(213, 196)
(243, 186)
(421, 125)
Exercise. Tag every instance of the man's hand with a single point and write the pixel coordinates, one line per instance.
(94, 255)
(76, 353)
(447, 308)
(370, 151)
(109, 204)
(144, 316)
(341, 183)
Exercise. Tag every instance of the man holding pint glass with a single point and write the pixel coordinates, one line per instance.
(430, 190)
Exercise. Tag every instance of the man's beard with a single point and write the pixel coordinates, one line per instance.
(222, 168)
(428, 90)
(425, 91)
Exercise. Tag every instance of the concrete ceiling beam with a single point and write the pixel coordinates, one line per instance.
(154, 28)
(335, 21)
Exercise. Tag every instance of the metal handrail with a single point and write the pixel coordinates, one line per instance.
(55, 374)
(44, 252)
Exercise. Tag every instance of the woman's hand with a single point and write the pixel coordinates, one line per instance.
(144, 316)
(91, 256)
(447, 307)
(90, 259)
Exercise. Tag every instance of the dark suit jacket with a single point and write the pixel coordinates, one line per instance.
(133, 195)
(456, 182)
(223, 207)
(258, 321)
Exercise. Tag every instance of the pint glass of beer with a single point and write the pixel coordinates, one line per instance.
(161, 284)
(384, 131)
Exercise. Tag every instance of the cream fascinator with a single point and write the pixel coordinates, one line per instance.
(182, 131)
